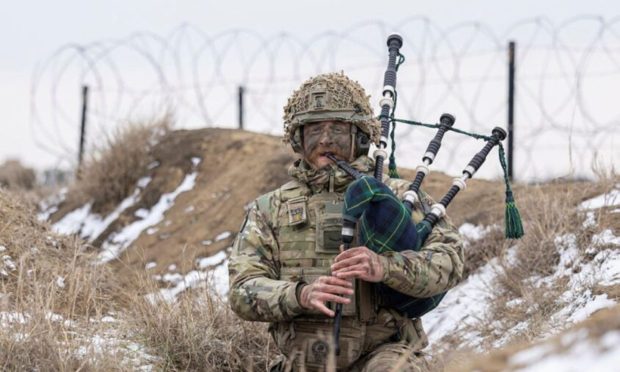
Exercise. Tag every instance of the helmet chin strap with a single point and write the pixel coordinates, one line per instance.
(353, 136)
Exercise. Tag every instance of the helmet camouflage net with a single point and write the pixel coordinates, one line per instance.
(330, 97)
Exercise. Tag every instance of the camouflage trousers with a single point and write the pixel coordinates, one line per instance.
(396, 357)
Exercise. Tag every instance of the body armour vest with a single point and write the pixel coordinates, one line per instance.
(308, 231)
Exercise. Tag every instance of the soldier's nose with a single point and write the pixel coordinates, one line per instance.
(325, 138)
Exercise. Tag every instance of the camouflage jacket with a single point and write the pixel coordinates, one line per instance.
(257, 291)
(264, 255)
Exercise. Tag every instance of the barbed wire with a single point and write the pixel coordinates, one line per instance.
(567, 73)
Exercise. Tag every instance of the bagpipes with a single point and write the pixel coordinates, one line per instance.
(384, 220)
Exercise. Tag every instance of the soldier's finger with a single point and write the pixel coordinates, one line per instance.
(349, 253)
(328, 297)
(335, 281)
(322, 308)
(358, 274)
(349, 262)
(326, 288)
(363, 266)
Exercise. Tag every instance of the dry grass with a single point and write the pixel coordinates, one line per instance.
(111, 172)
(199, 332)
(520, 305)
(13, 175)
(48, 285)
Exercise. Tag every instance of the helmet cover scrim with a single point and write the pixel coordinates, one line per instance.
(330, 96)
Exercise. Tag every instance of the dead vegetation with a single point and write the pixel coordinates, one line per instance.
(112, 169)
(199, 332)
(521, 305)
(14, 175)
(49, 285)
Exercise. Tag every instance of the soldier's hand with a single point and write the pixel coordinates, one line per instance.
(325, 289)
(358, 263)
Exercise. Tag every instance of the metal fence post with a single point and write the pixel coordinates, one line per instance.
(241, 93)
(511, 105)
(82, 126)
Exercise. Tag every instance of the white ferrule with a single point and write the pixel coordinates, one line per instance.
(386, 101)
(389, 89)
(460, 183)
(423, 168)
(438, 210)
(410, 196)
(380, 152)
(347, 231)
(429, 155)
(383, 140)
(469, 169)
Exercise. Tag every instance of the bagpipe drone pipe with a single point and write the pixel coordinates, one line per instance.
(383, 222)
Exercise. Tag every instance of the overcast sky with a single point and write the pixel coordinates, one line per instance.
(31, 30)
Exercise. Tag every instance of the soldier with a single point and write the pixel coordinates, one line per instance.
(286, 267)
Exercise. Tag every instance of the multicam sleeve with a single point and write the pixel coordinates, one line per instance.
(437, 267)
(255, 291)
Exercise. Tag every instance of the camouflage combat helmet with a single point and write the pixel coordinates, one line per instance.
(329, 97)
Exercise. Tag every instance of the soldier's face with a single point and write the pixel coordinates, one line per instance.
(323, 137)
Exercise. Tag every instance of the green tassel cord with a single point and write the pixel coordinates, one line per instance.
(512, 219)
(393, 172)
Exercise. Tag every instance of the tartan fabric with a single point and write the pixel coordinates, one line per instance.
(385, 224)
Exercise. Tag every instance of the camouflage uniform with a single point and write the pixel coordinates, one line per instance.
(290, 237)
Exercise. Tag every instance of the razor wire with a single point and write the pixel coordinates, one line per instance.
(566, 115)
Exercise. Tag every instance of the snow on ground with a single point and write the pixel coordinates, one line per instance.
(117, 242)
(98, 337)
(215, 277)
(577, 352)
(612, 198)
(91, 225)
(466, 304)
(462, 307)
(50, 205)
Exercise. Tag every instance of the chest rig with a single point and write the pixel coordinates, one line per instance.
(308, 227)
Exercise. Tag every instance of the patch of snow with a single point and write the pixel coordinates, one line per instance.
(9, 263)
(172, 267)
(172, 278)
(189, 209)
(90, 226)
(590, 307)
(118, 242)
(50, 205)
(612, 198)
(150, 265)
(590, 220)
(60, 282)
(12, 317)
(216, 279)
(222, 236)
(2, 248)
(463, 306)
(141, 213)
(196, 160)
(72, 222)
(606, 237)
(144, 182)
(214, 260)
(206, 242)
(585, 354)
(473, 232)
(152, 165)
(151, 230)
